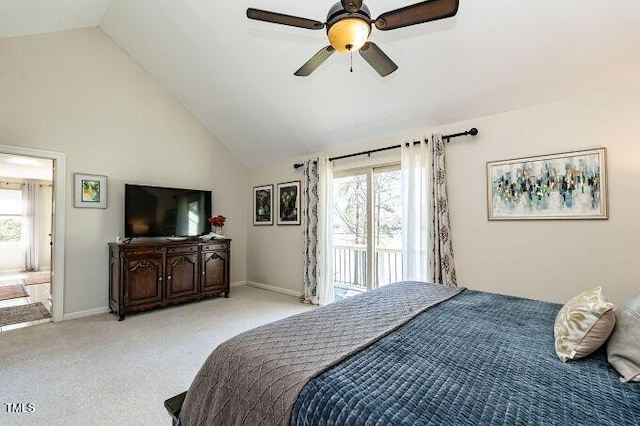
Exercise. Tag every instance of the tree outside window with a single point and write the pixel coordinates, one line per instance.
(350, 209)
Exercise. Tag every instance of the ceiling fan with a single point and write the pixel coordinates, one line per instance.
(349, 26)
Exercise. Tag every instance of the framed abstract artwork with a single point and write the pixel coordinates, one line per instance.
(571, 185)
(289, 203)
(263, 205)
(90, 191)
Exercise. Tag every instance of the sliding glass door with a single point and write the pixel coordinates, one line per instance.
(350, 233)
(387, 217)
(367, 230)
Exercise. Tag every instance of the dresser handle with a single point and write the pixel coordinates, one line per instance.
(160, 279)
(169, 277)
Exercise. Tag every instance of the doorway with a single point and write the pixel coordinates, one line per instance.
(26, 216)
(367, 229)
(31, 237)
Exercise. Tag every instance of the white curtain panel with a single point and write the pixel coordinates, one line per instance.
(317, 232)
(415, 211)
(31, 225)
(441, 262)
(325, 290)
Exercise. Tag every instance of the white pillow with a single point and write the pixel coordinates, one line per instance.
(623, 349)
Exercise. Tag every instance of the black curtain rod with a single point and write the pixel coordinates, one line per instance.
(448, 138)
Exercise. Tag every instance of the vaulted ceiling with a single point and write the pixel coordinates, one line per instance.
(236, 75)
(24, 17)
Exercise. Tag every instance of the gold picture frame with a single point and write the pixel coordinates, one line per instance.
(569, 185)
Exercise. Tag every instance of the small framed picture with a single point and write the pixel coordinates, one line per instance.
(90, 191)
(263, 205)
(289, 203)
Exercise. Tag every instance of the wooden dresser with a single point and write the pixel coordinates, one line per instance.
(148, 275)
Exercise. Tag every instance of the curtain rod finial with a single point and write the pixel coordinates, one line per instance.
(473, 131)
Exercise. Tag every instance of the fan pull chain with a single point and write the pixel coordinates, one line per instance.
(351, 61)
(350, 53)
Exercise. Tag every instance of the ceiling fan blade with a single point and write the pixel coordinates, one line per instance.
(378, 60)
(352, 6)
(430, 10)
(279, 18)
(313, 63)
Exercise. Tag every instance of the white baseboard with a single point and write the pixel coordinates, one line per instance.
(275, 289)
(104, 310)
(87, 313)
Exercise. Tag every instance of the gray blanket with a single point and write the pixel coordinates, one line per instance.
(255, 377)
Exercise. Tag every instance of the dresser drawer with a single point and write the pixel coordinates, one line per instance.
(182, 249)
(142, 252)
(215, 246)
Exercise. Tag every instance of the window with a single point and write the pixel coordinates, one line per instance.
(367, 229)
(10, 215)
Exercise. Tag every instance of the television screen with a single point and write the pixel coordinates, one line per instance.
(152, 211)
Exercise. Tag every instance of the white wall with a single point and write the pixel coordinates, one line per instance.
(274, 253)
(78, 93)
(548, 260)
(11, 257)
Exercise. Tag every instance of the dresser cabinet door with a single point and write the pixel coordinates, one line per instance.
(182, 275)
(215, 272)
(143, 279)
(114, 278)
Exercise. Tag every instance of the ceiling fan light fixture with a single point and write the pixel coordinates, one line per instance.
(349, 25)
(349, 34)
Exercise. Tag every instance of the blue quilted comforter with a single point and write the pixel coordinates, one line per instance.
(477, 359)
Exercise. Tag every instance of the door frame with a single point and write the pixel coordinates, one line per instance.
(58, 225)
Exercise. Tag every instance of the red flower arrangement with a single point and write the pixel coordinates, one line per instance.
(217, 221)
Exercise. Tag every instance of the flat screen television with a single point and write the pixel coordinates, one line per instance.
(152, 211)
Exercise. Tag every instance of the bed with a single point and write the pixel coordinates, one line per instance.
(407, 354)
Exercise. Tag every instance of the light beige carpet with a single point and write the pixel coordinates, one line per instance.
(97, 370)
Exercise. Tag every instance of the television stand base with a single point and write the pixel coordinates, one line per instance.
(152, 274)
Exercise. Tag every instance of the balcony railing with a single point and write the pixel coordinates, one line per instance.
(350, 266)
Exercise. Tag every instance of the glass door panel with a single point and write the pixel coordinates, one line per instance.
(350, 203)
(387, 213)
(367, 229)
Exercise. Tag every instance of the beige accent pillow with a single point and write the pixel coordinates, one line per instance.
(583, 325)
(623, 349)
